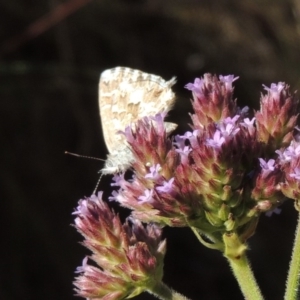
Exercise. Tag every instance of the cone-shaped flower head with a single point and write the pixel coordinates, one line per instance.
(290, 162)
(277, 117)
(212, 99)
(128, 258)
(152, 194)
(217, 178)
(267, 191)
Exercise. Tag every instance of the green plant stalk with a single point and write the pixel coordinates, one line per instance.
(163, 292)
(235, 252)
(242, 271)
(216, 245)
(292, 284)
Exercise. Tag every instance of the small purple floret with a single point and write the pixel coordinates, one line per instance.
(83, 267)
(291, 152)
(154, 172)
(217, 141)
(248, 123)
(167, 186)
(275, 88)
(228, 127)
(228, 80)
(147, 197)
(296, 173)
(267, 165)
(196, 87)
(181, 139)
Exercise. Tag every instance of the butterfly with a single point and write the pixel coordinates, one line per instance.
(125, 96)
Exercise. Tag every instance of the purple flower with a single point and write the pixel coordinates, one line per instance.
(115, 197)
(82, 208)
(128, 133)
(159, 118)
(167, 186)
(154, 172)
(184, 154)
(296, 173)
(283, 157)
(196, 87)
(119, 180)
(248, 123)
(228, 80)
(83, 267)
(128, 257)
(228, 126)
(180, 140)
(159, 123)
(182, 148)
(275, 89)
(217, 141)
(277, 117)
(267, 165)
(147, 197)
(192, 137)
(291, 152)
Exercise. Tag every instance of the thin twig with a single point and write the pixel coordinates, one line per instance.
(43, 24)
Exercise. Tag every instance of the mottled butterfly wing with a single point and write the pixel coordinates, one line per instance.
(125, 96)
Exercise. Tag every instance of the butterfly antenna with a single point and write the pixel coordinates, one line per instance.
(83, 156)
(97, 185)
(90, 157)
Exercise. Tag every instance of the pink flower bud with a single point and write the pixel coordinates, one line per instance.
(129, 257)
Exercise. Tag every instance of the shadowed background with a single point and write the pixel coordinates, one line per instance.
(51, 56)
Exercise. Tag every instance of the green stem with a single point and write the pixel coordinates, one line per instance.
(292, 284)
(215, 245)
(244, 275)
(163, 292)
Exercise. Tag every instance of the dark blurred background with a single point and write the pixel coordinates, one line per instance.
(51, 55)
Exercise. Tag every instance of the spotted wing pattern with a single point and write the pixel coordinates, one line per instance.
(125, 96)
